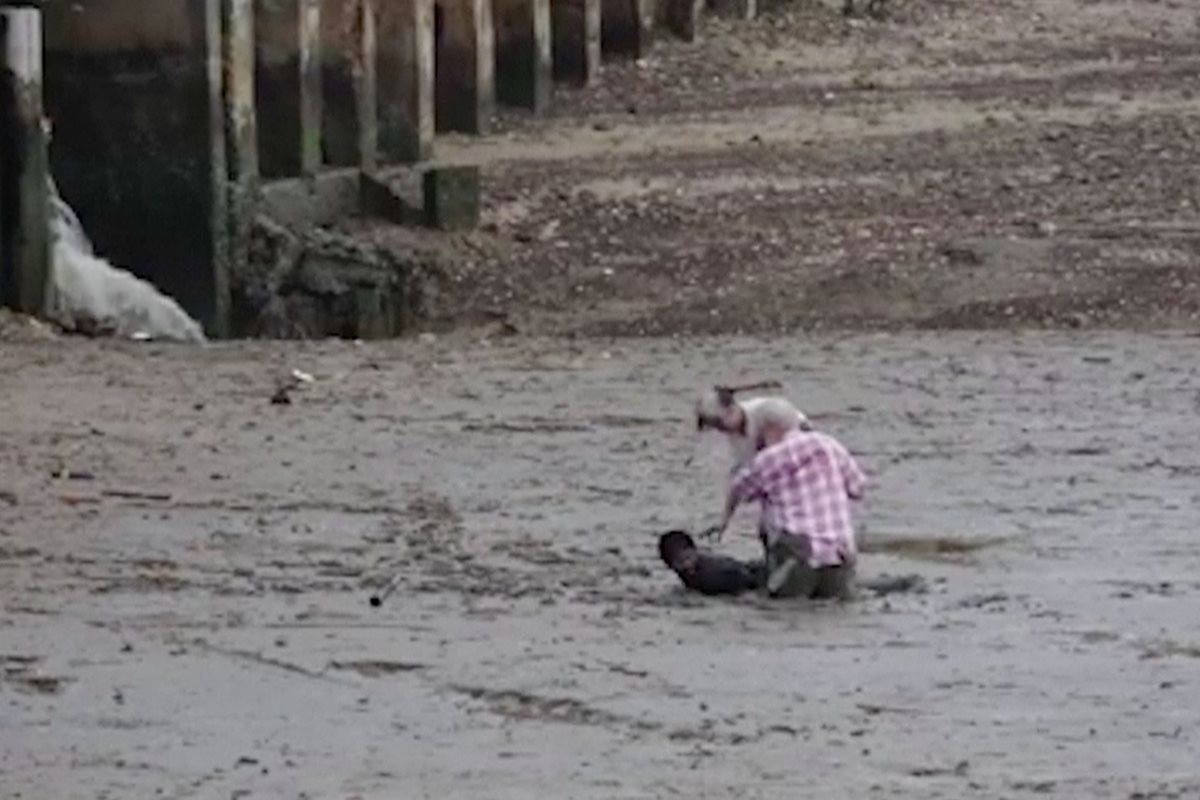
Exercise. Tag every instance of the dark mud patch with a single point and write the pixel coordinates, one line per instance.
(1098, 636)
(535, 426)
(1168, 648)
(19, 671)
(885, 585)
(377, 668)
(930, 548)
(959, 770)
(524, 706)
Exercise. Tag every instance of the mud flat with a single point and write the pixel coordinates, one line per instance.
(185, 567)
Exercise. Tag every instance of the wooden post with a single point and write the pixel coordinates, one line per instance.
(24, 231)
(683, 17)
(367, 86)
(311, 107)
(213, 55)
(737, 9)
(575, 37)
(524, 61)
(241, 139)
(349, 127)
(626, 27)
(405, 79)
(277, 87)
(464, 65)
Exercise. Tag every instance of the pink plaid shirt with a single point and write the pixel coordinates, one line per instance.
(805, 484)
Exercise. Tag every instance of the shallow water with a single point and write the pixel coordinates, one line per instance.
(189, 614)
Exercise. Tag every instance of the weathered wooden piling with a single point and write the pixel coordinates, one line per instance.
(465, 65)
(682, 17)
(24, 236)
(405, 79)
(348, 70)
(575, 35)
(241, 137)
(524, 59)
(737, 9)
(626, 27)
(288, 86)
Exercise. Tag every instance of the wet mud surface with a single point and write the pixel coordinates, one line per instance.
(185, 569)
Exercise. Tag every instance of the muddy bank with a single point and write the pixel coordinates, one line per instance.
(955, 166)
(186, 570)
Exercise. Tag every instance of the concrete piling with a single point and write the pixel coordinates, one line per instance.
(24, 210)
(139, 145)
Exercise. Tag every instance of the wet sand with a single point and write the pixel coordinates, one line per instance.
(185, 608)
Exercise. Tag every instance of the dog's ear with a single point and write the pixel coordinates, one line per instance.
(724, 395)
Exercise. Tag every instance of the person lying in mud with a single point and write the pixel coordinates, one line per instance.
(804, 481)
(701, 570)
(741, 420)
(704, 571)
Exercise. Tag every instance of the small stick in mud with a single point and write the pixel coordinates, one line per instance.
(377, 599)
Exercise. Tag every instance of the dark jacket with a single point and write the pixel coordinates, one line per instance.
(707, 572)
(717, 575)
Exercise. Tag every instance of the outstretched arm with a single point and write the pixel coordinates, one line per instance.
(853, 476)
(744, 486)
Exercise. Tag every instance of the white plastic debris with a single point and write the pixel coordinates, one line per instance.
(87, 292)
(302, 377)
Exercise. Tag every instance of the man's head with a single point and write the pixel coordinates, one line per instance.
(774, 419)
(678, 551)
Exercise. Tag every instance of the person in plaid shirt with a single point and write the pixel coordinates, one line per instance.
(805, 481)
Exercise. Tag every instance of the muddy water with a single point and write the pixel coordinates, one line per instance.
(185, 610)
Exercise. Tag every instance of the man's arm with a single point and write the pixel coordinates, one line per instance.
(745, 485)
(853, 476)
